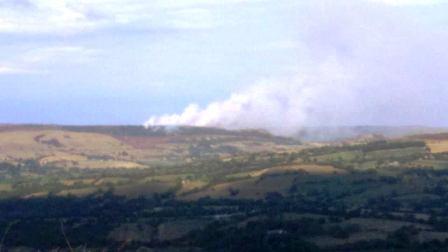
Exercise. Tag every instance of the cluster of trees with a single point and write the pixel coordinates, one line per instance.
(368, 147)
(89, 220)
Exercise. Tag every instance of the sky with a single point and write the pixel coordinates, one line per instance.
(272, 64)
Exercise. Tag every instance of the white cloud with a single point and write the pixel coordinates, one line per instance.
(43, 17)
(194, 18)
(68, 54)
(33, 61)
(73, 16)
(5, 69)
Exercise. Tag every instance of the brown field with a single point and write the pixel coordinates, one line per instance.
(143, 142)
(74, 149)
(61, 158)
(68, 160)
(436, 142)
(5, 187)
(190, 185)
(56, 145)
(437, 146)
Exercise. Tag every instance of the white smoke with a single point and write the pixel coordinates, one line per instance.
(361, 63)
(279, 106)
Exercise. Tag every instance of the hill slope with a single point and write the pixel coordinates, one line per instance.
(128, 146)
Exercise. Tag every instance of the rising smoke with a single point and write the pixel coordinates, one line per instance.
(361, 62)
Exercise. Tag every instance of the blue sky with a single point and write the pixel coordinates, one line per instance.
(112, 71)
(124, 61)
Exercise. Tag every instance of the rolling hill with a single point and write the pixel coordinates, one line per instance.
(205, 189)
(128, 146)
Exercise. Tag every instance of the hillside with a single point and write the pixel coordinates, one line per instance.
(129, 146)
(202, 189)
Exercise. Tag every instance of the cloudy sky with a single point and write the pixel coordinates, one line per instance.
(233, 63)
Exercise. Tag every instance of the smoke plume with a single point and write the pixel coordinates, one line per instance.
(361, 62)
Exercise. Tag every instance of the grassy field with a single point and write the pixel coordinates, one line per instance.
(394, 153)
(347, 156)
(252, 188)
(311, 169)
(435, 164)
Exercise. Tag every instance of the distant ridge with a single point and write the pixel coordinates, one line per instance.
(307, 134)
(141, 131)
(353, 132)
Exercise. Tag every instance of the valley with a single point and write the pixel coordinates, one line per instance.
(195, 189)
